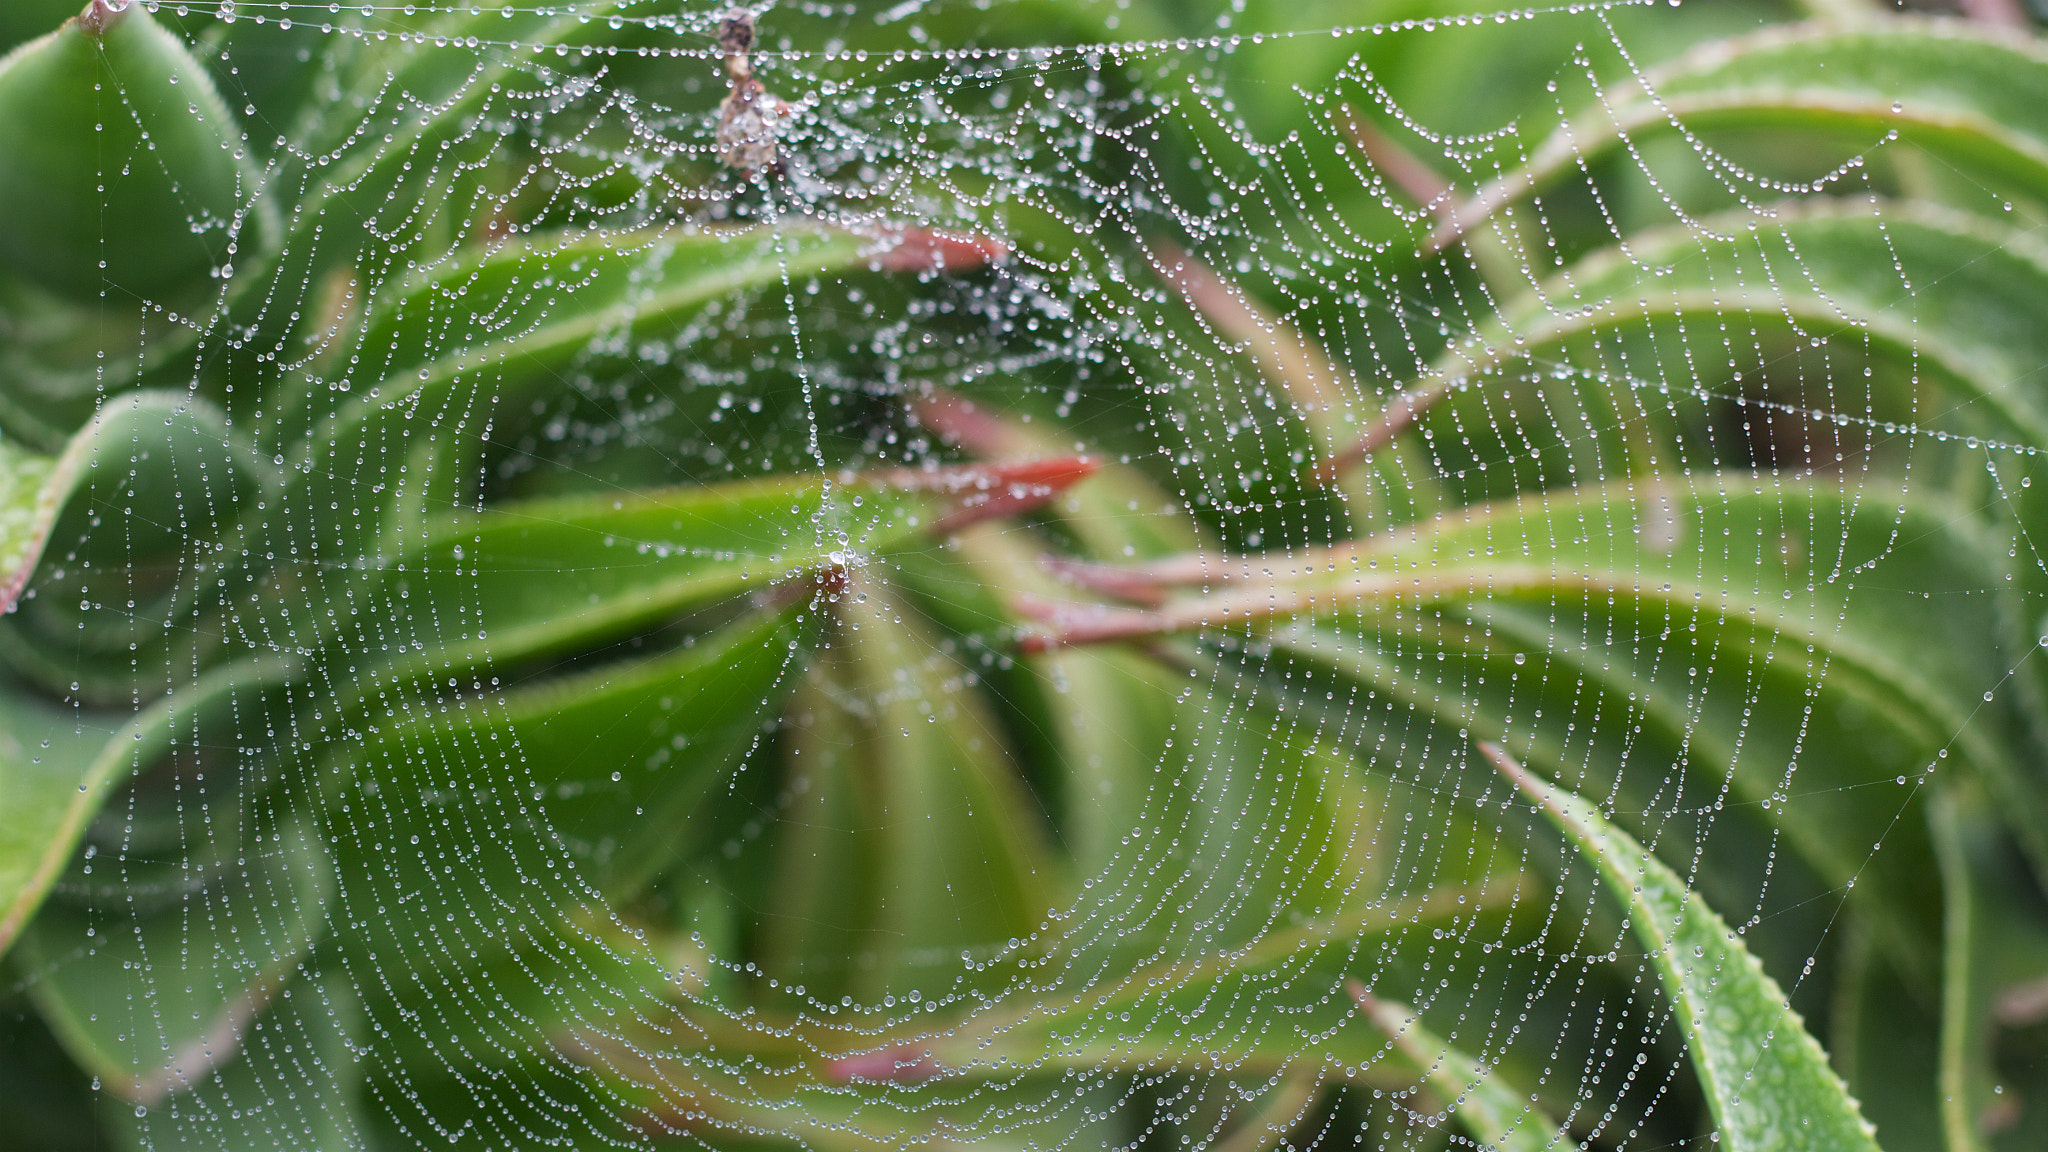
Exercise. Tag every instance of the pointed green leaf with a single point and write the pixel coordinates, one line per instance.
(62, 764)
(540, 577)
(1972, 96)
(1830, 268)
(1514, 580)
(1767, 1080)
(523, 311)
(133, 527)
(148, 451)
(61, 359)
(143, 498)
(1252, 917)
(1249, 1010)
(1497, 1115)
(152, 1002)
(27, 506)
(620, 758)
(910, 838)
(45, 771)
(296, 1081)
(118, 149)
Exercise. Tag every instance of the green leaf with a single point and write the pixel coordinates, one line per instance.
(542, 577)
(521, 316)
(153, 1002)
(536, 766)
(536, 579)
(1993, 972)
(104, 162)
(1830, 269)
(269, 67)
(407, 188)
(1111, 722)
(1282, 809)
(1496, 1114)
(28, 505)
(147, 451)
(1243, 977)
(60, 765)
(61, 359)
(141, 502)
(143, 499)
(910, 840)
(1241, 1014)
(44, 774)
(1884, 1033)
(620, 758)
(1533, 577)
(1971, 97)
(1103, 716)
(1766, 1079)
(1249, 1010)
(296, 1081)
(1112, 714)
(462, 81)
(28, 19)
(521, 311)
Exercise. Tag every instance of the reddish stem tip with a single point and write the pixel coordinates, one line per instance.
(926, 250)
(902, 1065)
(988, 491)
(100, 15)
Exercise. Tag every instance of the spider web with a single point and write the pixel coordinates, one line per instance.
(368, 902)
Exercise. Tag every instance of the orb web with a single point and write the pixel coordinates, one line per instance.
(939, 576)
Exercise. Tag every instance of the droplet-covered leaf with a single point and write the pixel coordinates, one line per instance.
(1767, 1080)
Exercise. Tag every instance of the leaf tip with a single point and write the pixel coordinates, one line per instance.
(1075, 625)
(100, 15)
(902, 1065)
(930, 250)
(1509, 767)
(989, 491)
